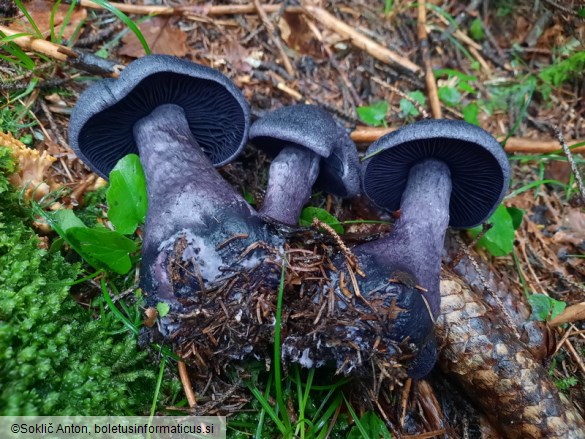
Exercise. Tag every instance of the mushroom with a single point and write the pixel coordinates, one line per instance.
(182, 119)
(438, 173)
(309, 147)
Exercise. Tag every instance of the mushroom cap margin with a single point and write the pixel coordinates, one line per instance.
(100, 129)
(478, 164)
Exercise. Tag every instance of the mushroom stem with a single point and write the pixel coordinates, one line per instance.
(416, 243)
(185, 193)
(292, 175)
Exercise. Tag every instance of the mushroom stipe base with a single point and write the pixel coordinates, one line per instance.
(324, 323)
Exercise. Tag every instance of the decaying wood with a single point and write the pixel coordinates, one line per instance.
(497, 371)
(363, 134)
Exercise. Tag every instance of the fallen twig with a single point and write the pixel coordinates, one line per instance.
(403, 95)
(322, 16)
(378, 51)
(274, 37)
(188, 9)
(363, 134)
(426, 56)
(81, 60)
(574, 168)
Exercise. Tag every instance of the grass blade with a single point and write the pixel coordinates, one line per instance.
(29, 19)
(114, 309)
(277, 365)
(127, 21)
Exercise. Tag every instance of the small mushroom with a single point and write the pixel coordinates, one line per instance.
(309, 147)
(437, 173)
(182, 119)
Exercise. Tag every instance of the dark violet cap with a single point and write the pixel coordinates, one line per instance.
(480, 171)
(310, 127)
(100, 129)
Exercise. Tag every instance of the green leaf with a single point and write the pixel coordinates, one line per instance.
(544, 307)
(162, 308)
(464, 86)
(407, 108)
(476, 30)
(499, 240)
(309, 213)
(449, 95)
(463, 77)
(516, 215)
(374, 114)
(249, 197)
(562, 71)
(109, 248)
(66, 220)
(470, 113)
(127, 199)
(566, 383)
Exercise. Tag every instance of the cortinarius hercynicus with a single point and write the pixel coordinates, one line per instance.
(182, 119)
(439, 173)
(309, 147)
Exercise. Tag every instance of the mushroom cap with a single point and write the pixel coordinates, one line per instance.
(310, 127)
(100, 129)
(480, 171)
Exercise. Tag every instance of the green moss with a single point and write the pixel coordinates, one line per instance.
(56, 358)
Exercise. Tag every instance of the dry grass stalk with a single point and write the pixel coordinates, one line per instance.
(426, 56)
(349, 256)
(403, 95)
(186, 382)
(571, 160)
(274, 37)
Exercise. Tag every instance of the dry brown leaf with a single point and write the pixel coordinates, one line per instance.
(40, 12)
(572, 227)
(151, 315)
(297, 34)
(236, 55)
(572, 313)
(560, 171)
(162, 38)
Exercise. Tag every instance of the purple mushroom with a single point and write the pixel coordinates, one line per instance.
(308, 147)
(438, 173)
(182, 119)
